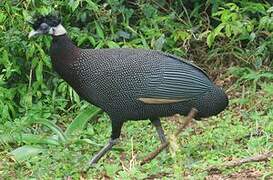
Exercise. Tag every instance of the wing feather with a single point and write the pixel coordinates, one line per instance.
(179, 81)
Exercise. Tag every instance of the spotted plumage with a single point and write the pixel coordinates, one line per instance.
(122, 78)
(133, 84)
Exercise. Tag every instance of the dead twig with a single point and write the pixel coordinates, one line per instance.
(152, 155)
(256, 158)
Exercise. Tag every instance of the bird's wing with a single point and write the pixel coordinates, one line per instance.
(178, 81)
(185, 61)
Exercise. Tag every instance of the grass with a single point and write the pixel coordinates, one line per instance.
(243, 130)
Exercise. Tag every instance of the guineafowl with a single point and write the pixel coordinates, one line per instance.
(131, 84)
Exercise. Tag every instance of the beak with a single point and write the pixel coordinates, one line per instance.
(34, 33)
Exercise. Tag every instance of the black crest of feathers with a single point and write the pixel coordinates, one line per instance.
(51, 20)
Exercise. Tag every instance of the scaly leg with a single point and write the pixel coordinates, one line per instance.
(116, 128)
(156, 122)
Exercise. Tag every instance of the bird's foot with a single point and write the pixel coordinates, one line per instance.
(103, 151)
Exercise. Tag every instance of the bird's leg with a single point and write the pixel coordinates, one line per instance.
(156, 122)
(103, 151)
(116, 128)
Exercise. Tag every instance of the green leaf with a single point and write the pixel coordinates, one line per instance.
(39, 71)
(254, 7)
(27, 138)
(76, 97)
(228, 30)
(30, 51)
(2, 17)
(270, 10)
(81, 120)
(218, 29)
(144, 42)
(92, 40)
(232, 7)
(100, 45)
(81, 40)
(25, 152)
(159, 42)
(92, 5)
(44, 10)
(181, 35)
(54, 128)
(210, 39)
(149, 11)
(112, 44)
(74, 4)
(225, 16)
(5, 113)
(99, 30)
(252, 36)
(5, 59)
(88, 141)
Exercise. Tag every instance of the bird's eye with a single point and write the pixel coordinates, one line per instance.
(44, 26)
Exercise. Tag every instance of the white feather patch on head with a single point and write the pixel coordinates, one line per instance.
(57, 31)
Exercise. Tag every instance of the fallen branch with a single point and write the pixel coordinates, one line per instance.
(152, 155)
(257, 158)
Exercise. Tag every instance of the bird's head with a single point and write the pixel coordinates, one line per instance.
(47, 25)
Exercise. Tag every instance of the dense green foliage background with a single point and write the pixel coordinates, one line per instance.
(232, 40)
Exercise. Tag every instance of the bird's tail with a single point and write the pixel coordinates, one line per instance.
(212, 103)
